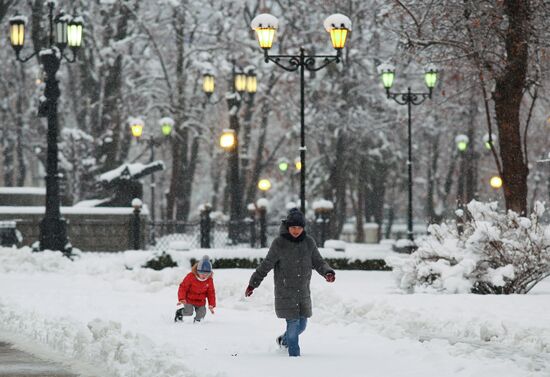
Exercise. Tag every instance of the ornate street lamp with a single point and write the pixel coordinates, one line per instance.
(240, 82)
(264, 185)
(298, 164)
(251, 82)
(208, 84)
(74, 32)
(136, 126)
(283, 165)
(488, 141)
(62, 32)
(61, 21)
(236, 142)
(338, 26)
(387, 73)
(228, 139)
(17, 32)
(495, 182)
(409, 98)
(462, 142)
(430, 77)
(166, 125)
(265, 25)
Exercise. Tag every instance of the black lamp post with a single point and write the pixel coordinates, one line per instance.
(166, 125)
(462, 147)
(246, 174)
(409, 98)
(64, 31)
(241, 82)
(338, 26)
(238, 78)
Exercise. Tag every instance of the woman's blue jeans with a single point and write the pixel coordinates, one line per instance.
(294, 327)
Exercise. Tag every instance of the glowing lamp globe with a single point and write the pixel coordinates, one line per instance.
(136, 126)
(430, 76)
(265, 25)
(496, 182)
(339, 27)
(228, 140)
(264, 184)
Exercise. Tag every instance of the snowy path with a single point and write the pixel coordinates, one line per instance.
(104, 319)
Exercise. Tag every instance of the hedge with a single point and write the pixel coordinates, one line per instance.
(336, 263)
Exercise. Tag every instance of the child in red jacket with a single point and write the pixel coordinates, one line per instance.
(195, 288)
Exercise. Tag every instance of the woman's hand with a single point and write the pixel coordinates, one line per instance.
(249, 291)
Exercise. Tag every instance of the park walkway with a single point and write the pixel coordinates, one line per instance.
(15, 363)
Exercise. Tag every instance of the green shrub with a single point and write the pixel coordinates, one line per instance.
(162, 261)
(336, 263)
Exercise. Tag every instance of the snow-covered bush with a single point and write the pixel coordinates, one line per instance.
(496, 253)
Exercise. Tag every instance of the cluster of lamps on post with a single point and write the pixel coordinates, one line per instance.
(265, 25)
(63, 31)
(166, 125)
(242, 83)
(67, 32)
(338, 26)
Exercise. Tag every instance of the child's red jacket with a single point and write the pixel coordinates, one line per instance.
(195, 292)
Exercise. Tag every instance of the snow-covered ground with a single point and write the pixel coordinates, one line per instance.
(104, 316)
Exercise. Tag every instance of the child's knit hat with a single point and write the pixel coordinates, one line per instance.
(204, 266)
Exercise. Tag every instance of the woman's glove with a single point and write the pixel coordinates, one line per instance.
(249, 291)
(330, 277)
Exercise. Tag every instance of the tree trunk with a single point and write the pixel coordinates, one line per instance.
(111, 117)
(175, 209)
(245, 146)
(215, 175)
(337, 187)
(21, 164)
(379, 190)
(252, 188)
(233, 174)
(508, 96)
(181, 197)
(433, 217)
(361, 203)
(188, 183)
(9, 178)
(471, 154)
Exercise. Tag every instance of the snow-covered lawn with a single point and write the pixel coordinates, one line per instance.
(105, 316)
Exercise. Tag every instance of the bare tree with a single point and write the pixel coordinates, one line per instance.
(498, 40)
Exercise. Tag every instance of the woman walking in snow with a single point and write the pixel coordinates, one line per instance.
(292, 255)
(195, 289)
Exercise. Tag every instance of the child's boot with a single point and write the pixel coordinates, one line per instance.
(179, 315)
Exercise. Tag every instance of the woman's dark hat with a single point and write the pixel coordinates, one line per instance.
(295, 218)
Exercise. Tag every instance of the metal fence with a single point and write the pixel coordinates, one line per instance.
(207, 233)
(164, 235)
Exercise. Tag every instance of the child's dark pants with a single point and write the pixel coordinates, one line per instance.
(187, 310)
